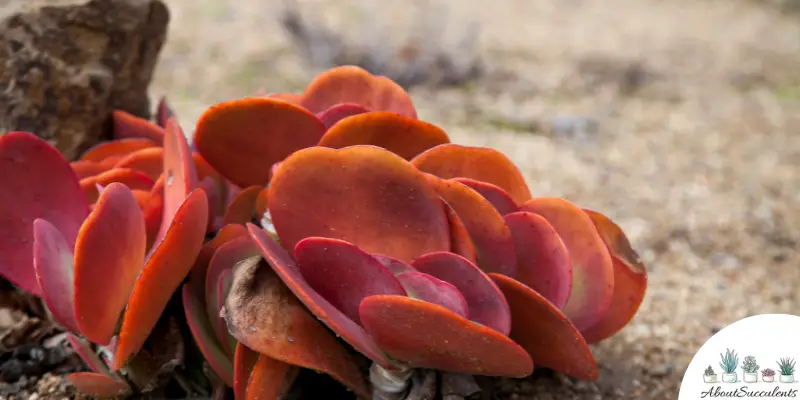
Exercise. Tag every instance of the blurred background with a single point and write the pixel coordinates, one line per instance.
(679, 119)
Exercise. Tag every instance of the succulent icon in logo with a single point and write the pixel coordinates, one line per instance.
(768, 375)
(729, 362)
(709, 376)
(786, 366)
(750, 368)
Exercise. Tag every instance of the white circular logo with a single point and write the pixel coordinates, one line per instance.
(756, 357)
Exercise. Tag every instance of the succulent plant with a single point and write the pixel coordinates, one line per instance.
(786, 366)
(749, 365)
(729, 361)
(300, 227)
(768, 372)
(709, 371)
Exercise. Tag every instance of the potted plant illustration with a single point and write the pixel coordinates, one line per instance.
(786, 366)
(750, 368)
(729, 362)
(768, 375)
(709, 376)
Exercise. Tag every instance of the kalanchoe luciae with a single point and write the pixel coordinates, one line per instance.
(417, 252)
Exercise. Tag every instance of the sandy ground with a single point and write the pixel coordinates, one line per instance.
(695, 154)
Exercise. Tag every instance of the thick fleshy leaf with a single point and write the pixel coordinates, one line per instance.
(35, 182)
(97, 385)
(128, 126)
(163, 112)
(293, 98)
(339, 112)
(630, 280)
(205, 337)
(85, 169)
(264, 315)
(543, 262)
(106, 270)
(262, 202)
(460, 242)
(486, 303)
(243, 138)
(478, 163)
(53, 263)
(396, 266)
(592, 269)
(243, 362)
(166, 267)
(486, 227)
(131, 178)
(435, 291)
(283, 264)
(149, 161)
(224, 283)
(243, 207)
(343, 274)
(361, 194)
(200, 268)
(499, 198)
(271, 379)
(404, 136)
(351, 84)
(546, 333)
(154, 212)
(85, 352)
(426, 335)
(115, 148)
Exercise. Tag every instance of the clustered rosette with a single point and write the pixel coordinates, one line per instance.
(334, 213)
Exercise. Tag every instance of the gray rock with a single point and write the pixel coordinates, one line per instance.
(65, 67)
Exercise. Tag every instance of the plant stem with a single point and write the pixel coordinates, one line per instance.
(389, 385)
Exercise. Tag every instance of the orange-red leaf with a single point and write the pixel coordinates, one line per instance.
(116, 148)
(126, 176)
(200, 268)
(85, 169)
(180, 175)
(271, 379)
(592, 269)
(35, 182)
(426, 335)
(343, 274)
(167, 265)
(404, 136)
(109, 254)
(550, 338)
(460, 241)
(542, 259)
(351, 84)
(128, 126)
(163, 112)
(205, 336)
(499, 198)
(243, 362)
(435, 291)
(630, 280)
(262, 202)
(97, 385)
(293, 98)
(243, 138)
(339, 112)
(52, 261)
(486, 227)
(243, 206)
(85, 352)
(487, 306)
(154, 211)
(287, 270)
(149, 161)
(396, 266)
(361, 194)
(478, 163)
(262, 314)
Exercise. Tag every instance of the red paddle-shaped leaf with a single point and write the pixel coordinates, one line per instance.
(486, 227)
(127, 126)
(271, 379)
(154, 212)
(223, 289)
(460, 242)
(630, 280)
(339, 112)
(396, 266)
(97, 385)
(351, 84)
(486, 303)
(478, 163)
(163, 112)
(293, 98)
(167, 265)
(105, 270)
(546, 333)
(243, 362)
(84, 350)
(149, 161)
(287, 270)
(592, 270)
(262, 314)
(361, 194)
(35, 182)
(404, 136)
(85, 169)
(119, 147)
(126, 176)
(200, 268)
(180, 175)
(52, 260)
(343, 274)
(426, 335)
(205, 336)
(243, 138)
(499, 198)
(435, 291)
(262, 202)
(243, 206)
(542, 259)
